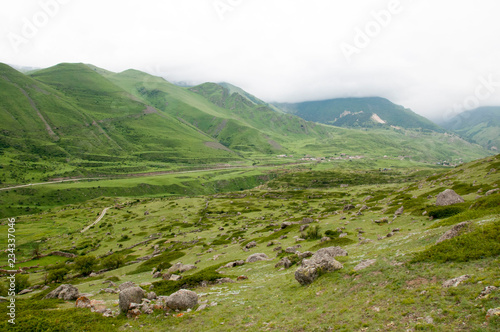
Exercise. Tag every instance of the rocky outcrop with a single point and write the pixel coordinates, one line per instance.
(322, 261)
(256, 257)
(182, 300)
(126, 285)
(455, 281)
(179, 267)
(65, 292)
(448, 197)
(128, 296)
(453, 232)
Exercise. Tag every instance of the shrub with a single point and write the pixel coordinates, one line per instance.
(124, 237)
(57, 275)
(160, 262)
(21, 282)
(312, 233)
(85, 264)
(439, 212)
(113, 261)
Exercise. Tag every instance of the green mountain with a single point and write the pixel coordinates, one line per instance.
(76, 120)
(367, 112)
(481, 125)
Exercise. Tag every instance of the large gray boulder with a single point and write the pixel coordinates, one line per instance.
(448, 197)
(179, 267)
(453, 232)
(130, 295)
(126, 285)
(65, 292)
(257, 257)
(182, 300)
(322, 261)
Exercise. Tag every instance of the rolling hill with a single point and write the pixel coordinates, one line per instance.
(367, 112)
(481, 125)
(77, 120)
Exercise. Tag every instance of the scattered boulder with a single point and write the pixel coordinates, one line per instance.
(304, 227)
(202, 307)
(348, 207)
(292, 250)
(486, 291)
(65, 292)
(492, 313)
(448, 197)
(256, 257)
(130, 295)
(108, 290)
(182, 300)
(399, 211)
(82, 302)
(277, 249)
(455, 281)
(175, 277)
(304, 254)
(492, 191)
(322, 261)
(179, 267)
(306, 220)
(285, 224)
(242, 277)
(285, 262)
(126, 285)
(232, 264)
(251, 244)
(157, 275)
(224, 280)
(364, 264)
(325, 238)
(151, 296)
(453, 232)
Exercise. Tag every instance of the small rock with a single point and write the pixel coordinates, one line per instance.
(257, 257)
(364, 264)
(455, 281)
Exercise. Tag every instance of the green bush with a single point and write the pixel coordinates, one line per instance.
(440, 212)
(312, 233)
(21, 282)
(161, 262)
(481, 243)
(113, 261)
(57, 275)
(85, 264)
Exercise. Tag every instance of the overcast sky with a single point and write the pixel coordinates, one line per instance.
(435, 57)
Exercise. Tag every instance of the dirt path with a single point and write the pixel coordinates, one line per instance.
(96, 221)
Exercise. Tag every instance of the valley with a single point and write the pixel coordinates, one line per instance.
(124, 183)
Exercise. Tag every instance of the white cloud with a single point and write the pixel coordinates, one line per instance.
(429, 56)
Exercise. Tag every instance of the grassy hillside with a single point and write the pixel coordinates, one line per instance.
(359, 112)
(481, 126)
(69, 120)
(75, 120)
(402, 289)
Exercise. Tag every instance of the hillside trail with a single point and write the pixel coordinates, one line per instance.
(96, 221)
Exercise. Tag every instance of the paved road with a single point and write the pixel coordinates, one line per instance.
(96, 221)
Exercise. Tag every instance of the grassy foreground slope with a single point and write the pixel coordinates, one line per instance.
(402, 290)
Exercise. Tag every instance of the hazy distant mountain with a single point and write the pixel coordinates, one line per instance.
(481, 125)
(359, 112)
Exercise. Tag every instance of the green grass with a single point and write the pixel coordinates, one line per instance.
(481, 243)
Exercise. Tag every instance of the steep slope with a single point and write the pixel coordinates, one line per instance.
(232, 119)
(249, 126)
(481, 125)
(77, 119)
(359, 112)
